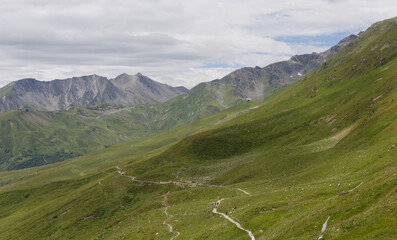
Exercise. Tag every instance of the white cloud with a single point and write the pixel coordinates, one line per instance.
(168, 40)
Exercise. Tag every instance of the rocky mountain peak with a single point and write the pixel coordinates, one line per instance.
(341, 44)
(90, 90)
(345, 41)
(256, 83)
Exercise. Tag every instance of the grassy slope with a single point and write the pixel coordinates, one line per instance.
(312, 141)
(6, 90)
(38, 138)
(117, 154)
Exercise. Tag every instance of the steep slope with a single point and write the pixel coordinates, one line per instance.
(125, 90)
(254, 83)
(317, 160)
(30, 143)
(34, 138)
(257, 83)
(144, 90)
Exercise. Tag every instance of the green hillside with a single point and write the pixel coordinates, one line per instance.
(36, 138)
(322, 150)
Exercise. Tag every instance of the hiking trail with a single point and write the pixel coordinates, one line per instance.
(215, 210)
(169, 217)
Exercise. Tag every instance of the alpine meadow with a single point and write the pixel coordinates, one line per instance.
(299, 149)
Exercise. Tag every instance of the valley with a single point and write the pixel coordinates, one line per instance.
(87, 116)
(313, 160)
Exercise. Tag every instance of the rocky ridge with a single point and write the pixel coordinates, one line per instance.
(124, 90)
(256, 83)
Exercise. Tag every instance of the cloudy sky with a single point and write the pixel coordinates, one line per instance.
(178, 42)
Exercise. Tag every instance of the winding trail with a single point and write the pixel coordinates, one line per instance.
(169, 217)
(120, 171)
(215, 210)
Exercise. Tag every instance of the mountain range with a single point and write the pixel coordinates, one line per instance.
(257, 83)
(127, 90)
(314, 160)
(89, 113)
(124, 90)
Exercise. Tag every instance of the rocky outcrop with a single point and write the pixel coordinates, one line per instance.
(141, 89)
(124, 90)
(256, 83)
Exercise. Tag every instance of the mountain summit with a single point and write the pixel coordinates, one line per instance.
(141, 89)
(124, 90)
(257, 83)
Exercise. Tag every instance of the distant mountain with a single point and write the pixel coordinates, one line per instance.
(30, 136)
(249, 83)
(322, 151)
(257, 83)
(141, 89)
(124, 90)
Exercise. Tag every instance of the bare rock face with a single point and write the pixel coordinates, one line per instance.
(256, 83)
(125, 90)
(141, 89)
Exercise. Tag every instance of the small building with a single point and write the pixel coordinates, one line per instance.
(248, 99)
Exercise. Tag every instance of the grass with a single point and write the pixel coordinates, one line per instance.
(6, 91)
(36, 138)
(301, 156)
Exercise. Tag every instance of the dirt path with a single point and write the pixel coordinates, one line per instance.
(215, 210)
(244, 191)
(120, 171)
(344, 193)
(351, 190)
(180, 184)
(169, 217)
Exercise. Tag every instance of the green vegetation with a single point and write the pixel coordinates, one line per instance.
(36, 138)
(6, 91)
(322, 147)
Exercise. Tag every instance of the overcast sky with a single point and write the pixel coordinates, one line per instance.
(178, 42)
